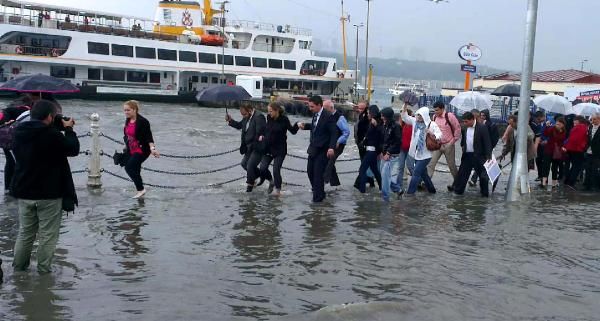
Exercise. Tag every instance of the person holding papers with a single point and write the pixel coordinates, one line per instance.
(477, 149)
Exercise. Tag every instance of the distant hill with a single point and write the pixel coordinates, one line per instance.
(407, 69)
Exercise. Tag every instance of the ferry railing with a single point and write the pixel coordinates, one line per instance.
(268, 27)
(31, 50)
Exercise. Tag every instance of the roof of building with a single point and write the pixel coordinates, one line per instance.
(569, 75)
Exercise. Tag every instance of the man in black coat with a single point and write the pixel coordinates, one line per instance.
(323, 139)
(42, 182)
(477, 149)
(252, 125)
(360, 131)
(592, 155)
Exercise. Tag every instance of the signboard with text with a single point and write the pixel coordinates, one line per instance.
(468, 68)
(469, 53)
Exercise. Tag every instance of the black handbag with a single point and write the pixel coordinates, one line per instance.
(121, 158)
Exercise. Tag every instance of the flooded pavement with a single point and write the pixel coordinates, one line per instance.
(222, 254)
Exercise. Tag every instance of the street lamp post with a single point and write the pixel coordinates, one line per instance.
(356, 93)
(518, 183)
(367, 41)
(582, 63)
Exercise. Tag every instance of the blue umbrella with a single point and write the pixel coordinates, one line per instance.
(39, 84)
(223, 93)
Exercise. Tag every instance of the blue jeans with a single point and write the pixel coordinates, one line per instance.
(389, 173)
(420, 173)
(368, 162)
(404, 160)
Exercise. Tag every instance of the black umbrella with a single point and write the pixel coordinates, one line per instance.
(409, 97)
(508, 90)
(223, 93)
(40, 84)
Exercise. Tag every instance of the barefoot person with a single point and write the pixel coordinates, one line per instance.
(139, 144)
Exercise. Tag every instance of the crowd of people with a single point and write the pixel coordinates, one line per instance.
(390, 146)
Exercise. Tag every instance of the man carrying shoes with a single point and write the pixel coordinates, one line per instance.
(42, 181)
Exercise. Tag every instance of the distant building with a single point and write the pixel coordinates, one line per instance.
(561, 82)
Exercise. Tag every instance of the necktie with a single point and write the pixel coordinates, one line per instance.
(314, 121)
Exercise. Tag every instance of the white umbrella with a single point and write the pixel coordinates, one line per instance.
(554, 104)
(586, 109)
(469, 100)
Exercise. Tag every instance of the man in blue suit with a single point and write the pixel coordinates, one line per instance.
(323, 139)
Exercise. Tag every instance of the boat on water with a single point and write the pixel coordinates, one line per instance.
(186, 48)
(401, 86)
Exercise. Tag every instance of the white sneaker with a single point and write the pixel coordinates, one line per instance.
(139, 194)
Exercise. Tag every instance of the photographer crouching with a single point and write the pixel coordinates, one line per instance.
(42, 182)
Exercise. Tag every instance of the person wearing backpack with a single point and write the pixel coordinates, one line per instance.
(451, 133)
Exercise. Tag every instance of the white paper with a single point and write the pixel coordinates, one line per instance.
(493, 169)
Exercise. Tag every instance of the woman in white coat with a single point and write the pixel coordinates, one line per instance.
(422, 125)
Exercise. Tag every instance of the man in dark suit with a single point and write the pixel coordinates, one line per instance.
(477, 149)
(253, 125)
(323, 138)
(592, 156)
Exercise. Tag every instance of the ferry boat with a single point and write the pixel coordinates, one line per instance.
(186, 48)
(401, 86)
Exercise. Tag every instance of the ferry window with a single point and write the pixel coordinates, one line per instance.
(113, 75)
(314, 67)
(137, 76)
(207, 58)
(283, 84)
(204, 79)
(155, 77)
(62, 72)
(243, 61)
(303, 44)
(259, 62)
(289, 65)
(275, 63)
(258, 85)
(228, 60)
(98, 48)
(94, 74)
(188, 56)
(121, 50)
(214, 80)
(145, 52)
(165, 54)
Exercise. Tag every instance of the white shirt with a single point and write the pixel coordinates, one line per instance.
(249, 119)
(594, 130)
(470, 136)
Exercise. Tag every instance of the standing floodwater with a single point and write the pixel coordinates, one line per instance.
(202, 253)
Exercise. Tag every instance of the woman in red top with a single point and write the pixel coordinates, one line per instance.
(575, 148)
(554, 157)
(139, 144)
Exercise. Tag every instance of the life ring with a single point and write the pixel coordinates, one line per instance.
(169, 87)
(19, 50)
(54, 52)
(342, 75)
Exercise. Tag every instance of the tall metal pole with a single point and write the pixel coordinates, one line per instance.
(94, 174)
(518, 184)
(223, 47)
(356, 93)
(367, 40)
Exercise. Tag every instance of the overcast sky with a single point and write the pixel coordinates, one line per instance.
(567, 29)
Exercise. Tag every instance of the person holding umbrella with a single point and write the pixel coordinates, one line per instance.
(139, 144)
(252, 126)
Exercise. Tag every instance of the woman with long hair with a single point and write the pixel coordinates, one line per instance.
(139, 144)
(275, 141)
(373, 143)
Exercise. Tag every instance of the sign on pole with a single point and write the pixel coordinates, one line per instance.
(469, 53)
(468, 68)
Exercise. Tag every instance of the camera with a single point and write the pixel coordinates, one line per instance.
(58, 121)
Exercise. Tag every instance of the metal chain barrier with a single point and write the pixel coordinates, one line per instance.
(169, 186)
(191, 173)
(199, 156)
(88, 134)
(338, 160)
(114, 140)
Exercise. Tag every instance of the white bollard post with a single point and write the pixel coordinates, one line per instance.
(94, 175)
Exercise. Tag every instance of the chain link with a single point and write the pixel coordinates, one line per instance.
(173, 187)
(84, 135)
(114, 140)
(338, 160)
(199, 156)
(191, 173)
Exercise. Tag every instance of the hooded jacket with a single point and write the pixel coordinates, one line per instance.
(392, 133)
(433, 127)
(42, 170)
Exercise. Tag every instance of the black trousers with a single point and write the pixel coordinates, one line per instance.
(554, 165)
(469, 162)
(277, 163)
(592, 172)
(9, 168)
(250, 165)
(331, 176)
(134, 169)
(575, 167)
(316, 172)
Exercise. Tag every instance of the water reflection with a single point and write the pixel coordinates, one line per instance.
(257, 235)
(38, 300)
(125, 233)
